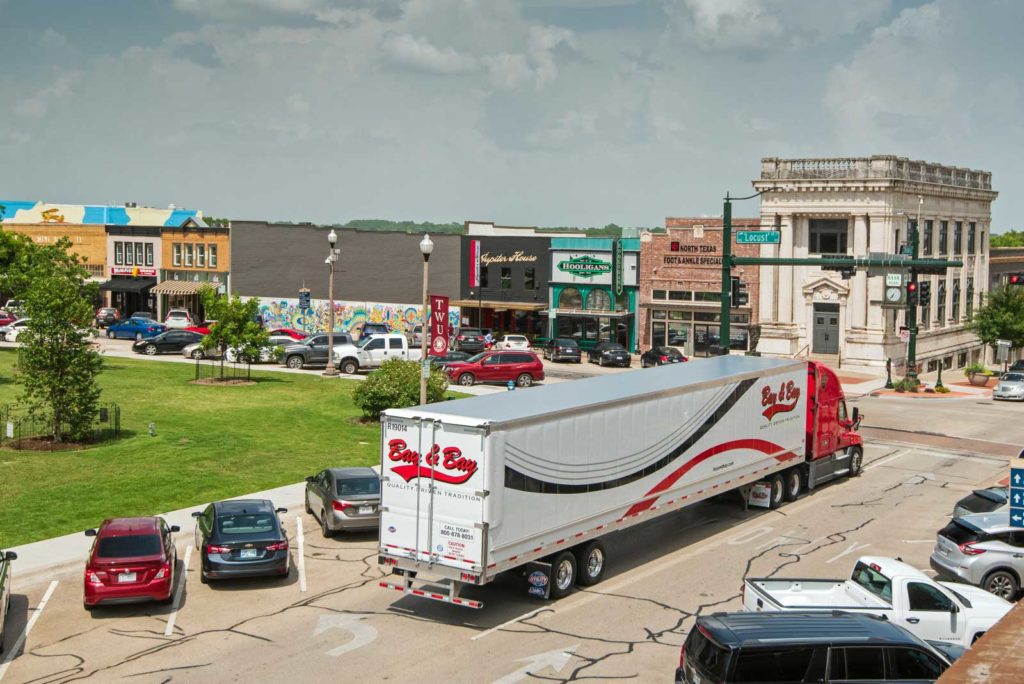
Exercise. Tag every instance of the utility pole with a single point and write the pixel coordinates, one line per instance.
(724, 335)
(912, 303)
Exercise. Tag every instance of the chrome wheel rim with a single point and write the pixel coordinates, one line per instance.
(794, 484)
(563, 576)
(1001, 587)
(777, 490)
(595, 562)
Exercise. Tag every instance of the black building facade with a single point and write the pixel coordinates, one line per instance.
(513, 284)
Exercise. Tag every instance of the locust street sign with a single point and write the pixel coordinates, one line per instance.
(1017, 497)
(758, 237)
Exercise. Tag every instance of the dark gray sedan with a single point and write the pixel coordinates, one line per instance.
(344, 499)
(609, 354)
(241, 538)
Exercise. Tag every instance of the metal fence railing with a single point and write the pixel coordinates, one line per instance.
(213, 369)
(17, 426)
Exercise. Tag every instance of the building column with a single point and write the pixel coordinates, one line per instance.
(880, 226)
(857, 309)
(787, 277)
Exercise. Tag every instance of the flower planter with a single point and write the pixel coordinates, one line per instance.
(978, 379)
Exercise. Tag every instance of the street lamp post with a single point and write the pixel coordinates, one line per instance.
(426, 247)
(331, 259)
(911, 312)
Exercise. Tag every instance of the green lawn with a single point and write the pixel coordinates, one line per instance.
(211, 442)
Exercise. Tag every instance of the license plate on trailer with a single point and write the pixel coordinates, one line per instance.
(125, 577)
(245, 554)
(365, 510)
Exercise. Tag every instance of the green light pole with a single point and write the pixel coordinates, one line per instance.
(724, 338)
(912, 238)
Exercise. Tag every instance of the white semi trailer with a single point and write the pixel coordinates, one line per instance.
(534, 479)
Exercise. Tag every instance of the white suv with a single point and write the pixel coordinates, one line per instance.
(178, 318)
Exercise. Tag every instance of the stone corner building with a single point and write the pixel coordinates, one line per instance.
(859, 205)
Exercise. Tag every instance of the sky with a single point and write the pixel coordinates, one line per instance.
(521, 112)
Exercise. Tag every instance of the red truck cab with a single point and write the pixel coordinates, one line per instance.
(833, 446)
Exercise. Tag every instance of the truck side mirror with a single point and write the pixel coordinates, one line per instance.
(856, 415)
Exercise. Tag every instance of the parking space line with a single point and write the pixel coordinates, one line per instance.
(177, 596)
(503, 625)
(302, 556)
(9, 656)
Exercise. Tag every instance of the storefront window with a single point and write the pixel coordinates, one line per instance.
(506, 278)
(678, 333)
(680, 295)
(707, 296)
(598, 300)
(177, 254)
(658, 314)
(658, 294)
(706, 316)
(212, 250)
(118, 253)
(201, 255)
(149, 253)
(570, 299)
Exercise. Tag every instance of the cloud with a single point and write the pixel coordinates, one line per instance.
(419, 53)
(39, 103)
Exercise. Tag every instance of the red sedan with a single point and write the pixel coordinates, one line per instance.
(132, 559)
(290, 332)
(201, 328)
(7, 318)
(524, 368)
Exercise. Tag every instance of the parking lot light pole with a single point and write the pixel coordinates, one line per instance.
(332, 258)
(426, 247)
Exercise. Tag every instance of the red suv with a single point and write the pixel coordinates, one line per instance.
(132, 559)
(497, 366)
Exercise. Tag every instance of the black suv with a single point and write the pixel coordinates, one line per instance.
(468, 340)
(806, 647)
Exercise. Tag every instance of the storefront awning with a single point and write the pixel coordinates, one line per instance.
(592, 313)
(491, 304)
(128, 284)
(181, 287)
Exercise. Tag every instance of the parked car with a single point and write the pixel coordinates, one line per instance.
(467, 340)
(132, 559)
(344, 499)
(609, 354)
(6, 557)
(10, 332)
(450, 357)
(135, 328)
(563, 349)
(288, 332)
(804, 646)
(660, 356)
(513, 342)
(201, 328)
(143, 314)
(196, 351)
(1016, 366)
(14, 305)
(415, 336)
(107, 315)
(524, 368)
(985, 500)
(1010, 386)
(178, 318)
(168, 341)
(372, 351)
(374, 329)
(312, 351)
(6, 318)
(982, 549)
(241, 538)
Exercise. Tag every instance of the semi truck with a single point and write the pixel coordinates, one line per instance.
(533, 480)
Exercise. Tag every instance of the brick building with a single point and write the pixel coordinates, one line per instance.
(681, 285)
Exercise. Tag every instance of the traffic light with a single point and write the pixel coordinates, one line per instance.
(740, 296)
(1016, 279)
(912, 294)
(924, 293)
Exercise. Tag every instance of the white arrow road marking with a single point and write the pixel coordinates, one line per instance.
(177, 596)
(301, 562)
(556, 660)
(362, 634)
(9, 656)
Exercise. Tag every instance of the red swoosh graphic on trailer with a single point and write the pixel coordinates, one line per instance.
(770, 412)
(408, 472)
(761, 445)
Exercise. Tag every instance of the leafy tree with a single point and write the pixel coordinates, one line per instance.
(1001, 317)
(396, 384)
(16, 255)
(237, 326)
(57, 367)
(1011, 238)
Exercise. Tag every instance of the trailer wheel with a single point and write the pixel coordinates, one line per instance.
(794, 484)
(563, 574)
(591, 559)
(778, 494)
(856, 460)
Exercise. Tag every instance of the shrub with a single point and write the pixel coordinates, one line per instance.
(396, 384)
(906, 385)
(942, 390)
(977, 369)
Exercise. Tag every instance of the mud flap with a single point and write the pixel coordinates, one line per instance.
(538, 579)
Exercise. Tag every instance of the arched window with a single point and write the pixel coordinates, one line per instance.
(598, 300)
(570, 298)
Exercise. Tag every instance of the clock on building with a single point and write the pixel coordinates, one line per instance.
(893, 294)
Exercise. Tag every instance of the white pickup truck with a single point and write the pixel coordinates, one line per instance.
(935, 611)
(373, 350)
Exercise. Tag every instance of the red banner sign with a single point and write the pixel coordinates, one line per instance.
(474, 264)
(438, 326)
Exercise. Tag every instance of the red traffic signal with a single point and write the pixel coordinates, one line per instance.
(912, 293)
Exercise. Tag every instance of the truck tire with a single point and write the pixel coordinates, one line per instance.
(591, 560)
(794, 481)
(778, 493)
(524, 380)
(856, 460)
(1002, 583)
(349, 367)
(563, 574)
(466, 379)
(294, 362)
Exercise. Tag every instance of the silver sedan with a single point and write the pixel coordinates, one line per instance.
(1010, 386)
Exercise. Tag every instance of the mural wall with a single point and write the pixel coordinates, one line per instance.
(92, 214)
(285, 313)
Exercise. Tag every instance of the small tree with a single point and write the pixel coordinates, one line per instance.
(238, 326)
(396, 384)
(1001, 317)
(57, 366)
